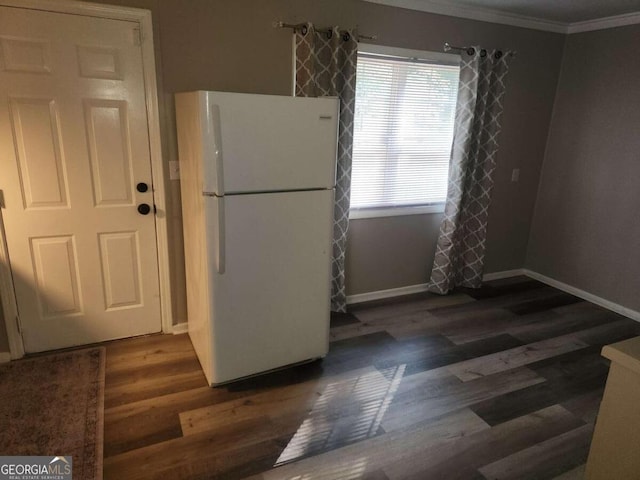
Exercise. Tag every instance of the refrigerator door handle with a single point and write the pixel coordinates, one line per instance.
(220, 260)
(217, 150)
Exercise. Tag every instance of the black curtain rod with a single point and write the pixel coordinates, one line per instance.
(469, 50)
(303, 29)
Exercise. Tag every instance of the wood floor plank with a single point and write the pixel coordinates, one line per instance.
(173, 403)
(371, 455)
(400, 308)
(501, 288)
(511, 300)
(146, 351)
(569, 377)
(345, 413)
(580, 307)
(226, 450)
(460, 459)
(556, 300)
(485, 324)
(385, 403)
(611, 332)
(363, 345)
(152, 388)
(375, 475)
(582, 363)
(515, 357)
(294, 399)
(420, 323)
(546, 459)
(414, 324)
(221, 450)
(586, 406)
(577, 473)
(409, 325)
(136, 345)
(147, 388)
(469, 322)
(340, 319)
(153, 420)
(383, 351)
(170, 367)
(434, 398)
(452, 355)
(560, 326)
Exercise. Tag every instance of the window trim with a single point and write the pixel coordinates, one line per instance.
(379, 212)
(406, 53)
(419, 56)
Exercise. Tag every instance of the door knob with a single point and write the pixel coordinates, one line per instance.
(142, 187)
(144, 209)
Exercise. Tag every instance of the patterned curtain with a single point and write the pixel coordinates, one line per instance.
(460, 251)
(326, 66)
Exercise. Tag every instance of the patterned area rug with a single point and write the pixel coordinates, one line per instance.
(54, 405)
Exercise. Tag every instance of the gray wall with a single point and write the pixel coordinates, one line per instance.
(231, 45)
(586, 231)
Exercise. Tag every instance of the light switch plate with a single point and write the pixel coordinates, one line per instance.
(174, 170)
(515, 175)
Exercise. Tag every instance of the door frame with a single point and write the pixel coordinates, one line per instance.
(143, 18)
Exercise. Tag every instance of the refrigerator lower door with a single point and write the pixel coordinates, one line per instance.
(270, 304)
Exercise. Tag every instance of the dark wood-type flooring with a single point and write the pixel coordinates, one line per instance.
(503, 382)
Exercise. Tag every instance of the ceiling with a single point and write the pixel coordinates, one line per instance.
(563, 11)
(564, 16)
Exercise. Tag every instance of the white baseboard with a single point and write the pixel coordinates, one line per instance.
(180, 328)
(589, 297)
(380, 294)
(5, 357)
(487, 277)
(422, 287)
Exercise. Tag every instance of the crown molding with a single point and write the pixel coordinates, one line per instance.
(604, 23)
(514, 20)
(475, 13)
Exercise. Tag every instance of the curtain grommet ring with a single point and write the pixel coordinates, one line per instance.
(483, 53)
(304, 30)
(346, 36)
(329, 34)
(498, 55)
(471, 51)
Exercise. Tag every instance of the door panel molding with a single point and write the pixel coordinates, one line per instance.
(143, 18)
(55, 263)
(115, 157)
(25, 137)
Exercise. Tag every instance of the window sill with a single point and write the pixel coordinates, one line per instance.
(358, 213)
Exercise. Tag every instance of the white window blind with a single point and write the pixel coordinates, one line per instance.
(403, 131)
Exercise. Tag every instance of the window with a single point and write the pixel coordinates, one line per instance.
(403, 131)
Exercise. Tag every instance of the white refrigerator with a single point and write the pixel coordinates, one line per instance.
(257, 175)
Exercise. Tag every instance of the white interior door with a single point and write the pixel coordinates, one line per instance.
(74, 145)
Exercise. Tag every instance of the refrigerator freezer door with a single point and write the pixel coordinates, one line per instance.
(268, 143)
(270, 307)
